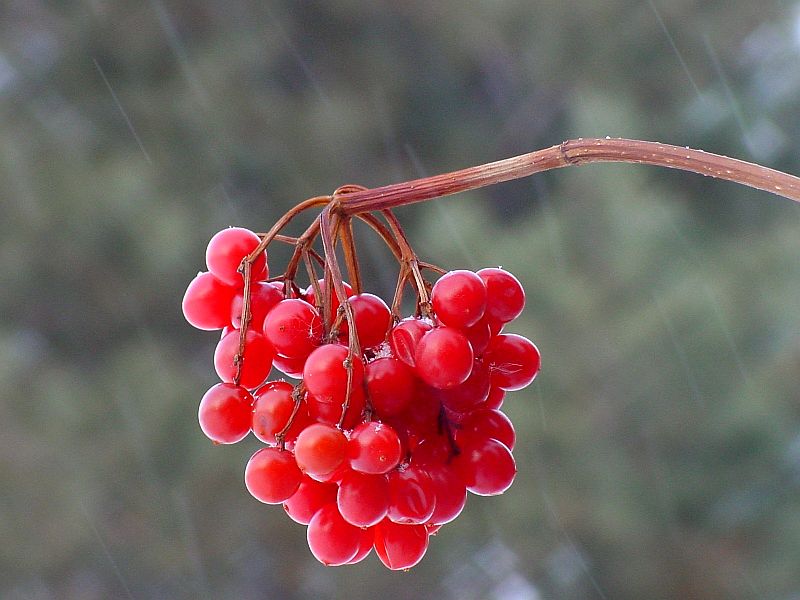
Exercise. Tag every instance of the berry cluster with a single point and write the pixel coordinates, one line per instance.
(393, 420)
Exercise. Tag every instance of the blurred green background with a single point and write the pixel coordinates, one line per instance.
(659, 450)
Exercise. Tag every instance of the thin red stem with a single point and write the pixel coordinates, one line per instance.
(283, 222)
(238, 359)
(350, 255)
(329, 225)
(409, 258)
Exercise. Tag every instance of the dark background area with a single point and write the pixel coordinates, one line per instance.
(659, 450)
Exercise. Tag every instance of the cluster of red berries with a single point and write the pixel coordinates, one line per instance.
(375, 450)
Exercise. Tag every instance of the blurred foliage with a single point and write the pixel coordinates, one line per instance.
(659, 451)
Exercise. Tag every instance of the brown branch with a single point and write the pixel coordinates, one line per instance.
(409, 258)
(569, 153)
(238, 359)
(283, 222)
(350, 255)
(329, 225)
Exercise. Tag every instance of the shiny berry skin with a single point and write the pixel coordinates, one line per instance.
(225, 413)
(320, 449)
(421, 418)
(374, 448)
(294, 328)
(226, 250)
(471, 393)
(400, 547)
(450, 491)
(443, 358)
(258, 355)
(272, 475)
(514, 361)
(263, 297)
(459, 298)
(334, 477)
(486, 466)
(291, 367)
(433, 450)
(332, 540)
(207, 302)
(328, 412)
(391, 385)
(325, 373)
(412, 498)
(496, 398)
(505, 297)
(310, 297)
(272, 409)
(308, 499)
(371, 317)
(486, 423)
(363, 500)
(365, 545)
(479, 336)
(405, 336)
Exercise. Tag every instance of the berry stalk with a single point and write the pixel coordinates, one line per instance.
(573, 153)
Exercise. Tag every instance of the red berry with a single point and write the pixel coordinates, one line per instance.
(263, 297)
(411, 496)
(308, 499)
(271, 412)
(227, 249)
(421, 418)
(310, 297)
(495, 399)
(207, 302)
(433, 450)
(486, 423)
(495, 326)
(257, 358)
(374, 448)
(450, 491)
(365, 546)
(363, 499)
(443, 358)
(371, 317)
(328, 412)
(320, 449)
(334, 477)
(405, 336)
(272, 475)
(505, 296)
(390, 385)
(400, 546)
(332, 540)
(225, 413)
(294, 328)
(479, 336)
(471, 393)
(486, 466)
(291, 367)
(514, 361)
(325, 373)
(459, 298)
